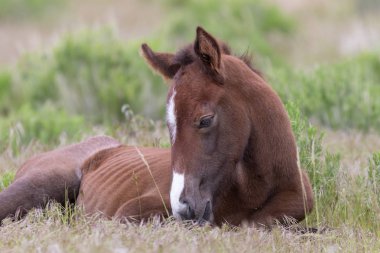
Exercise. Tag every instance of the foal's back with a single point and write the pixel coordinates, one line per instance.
(127, 182)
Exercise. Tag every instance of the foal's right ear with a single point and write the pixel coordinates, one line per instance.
(163, 63)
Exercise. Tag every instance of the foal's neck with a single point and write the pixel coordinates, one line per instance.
(271, 147)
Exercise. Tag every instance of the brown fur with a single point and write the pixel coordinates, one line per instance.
(120, 185)
(53, 175)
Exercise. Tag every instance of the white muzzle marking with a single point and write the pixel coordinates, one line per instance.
(171, 117)
(175, 193)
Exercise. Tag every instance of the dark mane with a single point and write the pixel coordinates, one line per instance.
(186, 56)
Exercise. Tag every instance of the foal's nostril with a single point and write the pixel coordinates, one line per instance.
(190, 213)
(207, 214)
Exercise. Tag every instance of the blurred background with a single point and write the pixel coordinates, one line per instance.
(72, 68)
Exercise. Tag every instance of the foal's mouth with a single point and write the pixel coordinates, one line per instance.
(207, 215)
(206, 218)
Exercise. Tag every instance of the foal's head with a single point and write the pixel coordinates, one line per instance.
(207, 120)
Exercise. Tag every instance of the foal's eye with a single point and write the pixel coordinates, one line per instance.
(206, 121)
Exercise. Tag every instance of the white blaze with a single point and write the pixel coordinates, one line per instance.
(178, 179)
(171, 118)
(175, 193)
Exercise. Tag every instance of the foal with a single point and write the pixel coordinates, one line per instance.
(233, 157)
(233, 154)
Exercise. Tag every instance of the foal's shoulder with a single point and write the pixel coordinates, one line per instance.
(97, 159)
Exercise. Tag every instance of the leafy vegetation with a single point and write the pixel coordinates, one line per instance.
(340, 95)
(91, 73)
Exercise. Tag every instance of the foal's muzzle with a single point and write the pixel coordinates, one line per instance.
(200, 213)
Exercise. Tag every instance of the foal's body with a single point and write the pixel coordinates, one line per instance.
(233, 157)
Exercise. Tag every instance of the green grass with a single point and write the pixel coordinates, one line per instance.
(6, 179)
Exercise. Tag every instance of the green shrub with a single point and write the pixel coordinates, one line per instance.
(91, 73)
(339, 95)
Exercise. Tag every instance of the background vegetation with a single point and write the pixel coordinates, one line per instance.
(92, 80)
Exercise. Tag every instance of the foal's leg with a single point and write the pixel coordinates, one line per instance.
(289, 203)
(36, 190)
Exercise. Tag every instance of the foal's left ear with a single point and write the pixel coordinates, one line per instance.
(161, 62)
(208, 50)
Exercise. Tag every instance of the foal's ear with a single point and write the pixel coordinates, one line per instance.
(161, 62)
(207, 48)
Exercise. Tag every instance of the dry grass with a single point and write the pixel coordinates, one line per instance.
(49, 232)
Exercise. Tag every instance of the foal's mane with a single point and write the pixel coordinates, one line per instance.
(186, 56)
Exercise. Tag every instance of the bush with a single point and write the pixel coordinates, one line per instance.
(91, 73)
(339, 95)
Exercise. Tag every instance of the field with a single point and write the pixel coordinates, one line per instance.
(76, 82)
